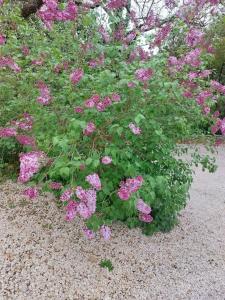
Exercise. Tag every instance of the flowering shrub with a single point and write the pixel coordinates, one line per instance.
(98, 116)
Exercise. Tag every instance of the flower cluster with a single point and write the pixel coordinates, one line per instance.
(116, 4)
(106, 160)
(25, 140)
(144, 211)
(136, 130)
(8, 132)
(30, 163)
(218, 86)
(10, 63)
(31, 192)
(194, 37)
(128, 187)
(49, 12)
(76, 76)
(45, 97)
(94, 180)
(89, 129)
(144, 74)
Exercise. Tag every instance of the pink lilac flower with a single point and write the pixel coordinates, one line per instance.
(115, 97)
(162, 34)
(25, 140)
(9, 62)
(90, 200)
(222, 126)
(83, 210)
(31, 192)
(218, 142)
(30, 163)
(76, 76)
(80, 193)
(194, 37)
(192, 75)
(78, 110)
(201, 98)
(90, 128)
(25, 50)
(105, 232)
(94, 181)
(136, 130)
(49, 12)
(144, 74)
(143, 207)
(116, 4)
(145, 218)
(192, 58)
(106, 160)
(25, 123)
(105, 35)
(216, 114)
(90, 234)
(89, 103)
(131, 185)
(55, 185)
(97, 62)
(130, 37)
(66, 195)
(187, 94)
(2, 39)
(218, 86)
(71, 210)
(206, 110)
(45, 97)
(205, 73)
(144, 55)
(8, 132)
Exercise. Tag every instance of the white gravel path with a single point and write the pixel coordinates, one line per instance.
(43, 257)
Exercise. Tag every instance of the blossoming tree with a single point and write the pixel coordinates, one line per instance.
(100, 105)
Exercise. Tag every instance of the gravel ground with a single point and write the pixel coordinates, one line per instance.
(43, 257)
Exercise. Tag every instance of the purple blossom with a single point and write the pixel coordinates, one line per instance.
(136, 130)
(30, 163)
(66, 195)
(105, 232)
(26, 140)
(2, 39)
(7, 132)
(94, 181)
(78, 110)
(116, 4)
(106, 160)
(71, 210)
(144, 74)
(194, 37)
(90, 128)
(145, 218)
(31, 192)
(115, 97)
(45, 97)
(90, 234)
(131, 185)
(76, 76)
(143, 207)
(10, 63)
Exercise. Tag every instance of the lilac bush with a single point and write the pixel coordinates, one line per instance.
(98, 114)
